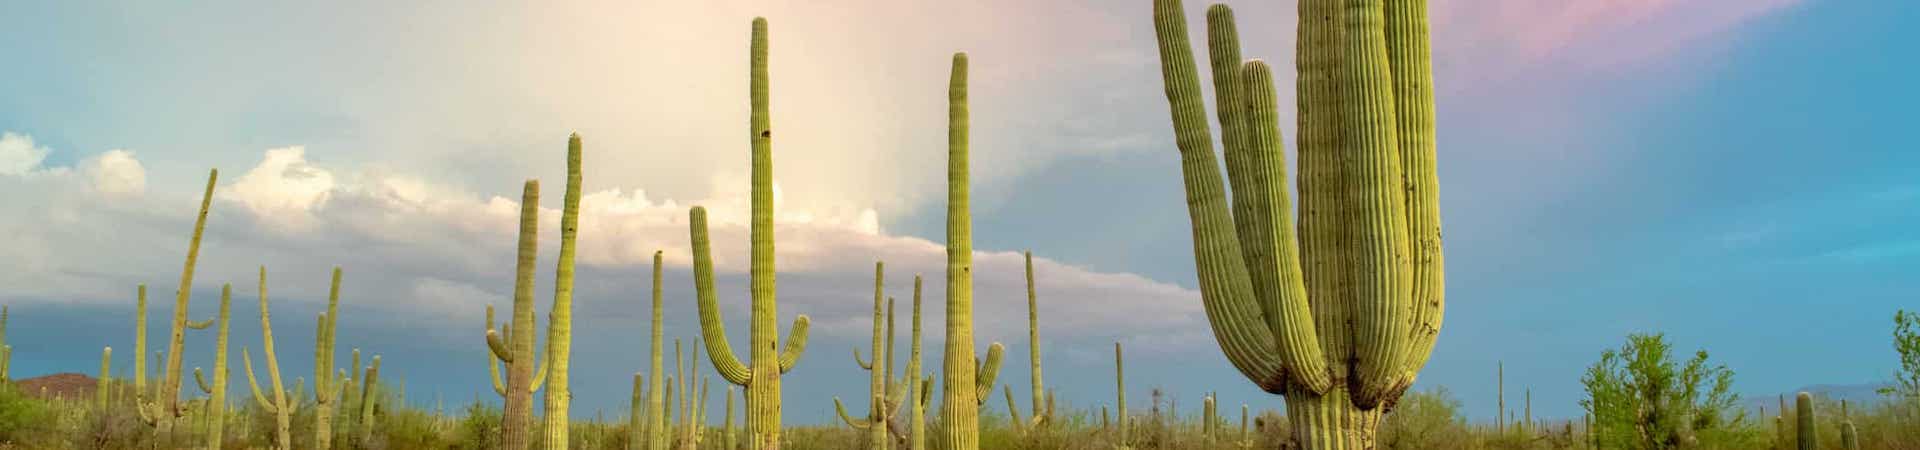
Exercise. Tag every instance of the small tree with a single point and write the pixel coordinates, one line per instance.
(1641, 398)
(1906, 340)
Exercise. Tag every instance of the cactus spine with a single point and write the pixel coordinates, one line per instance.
(884, 394)
(326, 384)
(157, 411)
(280, 407)
(761, 379)
(1368, 251)
(513, 343)
(1807, 437)
(966, 385)
(656, 436)
(560, 318)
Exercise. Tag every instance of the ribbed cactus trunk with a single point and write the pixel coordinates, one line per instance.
(368, 400)
(140, 344)
(560, 319)
(513, 345)
(656, 435)
(326, 383)
(877, 379)
(636, 416)
(917, 391)
(762, 379)
(1341, 319)
(1042, 405)
(100, 391)
(217, 405)
(160, 412)
(1806, 436)
(966, 385)
(279, 406)
(1120, 393)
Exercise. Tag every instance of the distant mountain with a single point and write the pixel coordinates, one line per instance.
(1861, 394)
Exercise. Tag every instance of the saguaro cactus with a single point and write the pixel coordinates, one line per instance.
(919, 390)
(327, 385)
(280, 407)
(726, 428)
(884, 395)
(6, 351)
(1042, 400)
(1120, 391)
(368, 400)
(966, 384)
(1849, 437)
(560, 318)
(761, 379)
(100, 391)
(512, 345)
(160, 412)
(637, 416)
(217, 403)
(1806, 436)
(656, 436)
(1341, 321)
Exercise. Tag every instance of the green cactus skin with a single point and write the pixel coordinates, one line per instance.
(326, 384)
(1806, 436)
(761, 379)
(656, 405)
(160, 412)
(1120, 391)
(368, 400)
(513, 344)
(1366, 267)
(106, 374)
(966, 385)
(560, 318)
(140, 343)
(280, 407)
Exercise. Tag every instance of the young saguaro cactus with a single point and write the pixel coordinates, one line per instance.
(280, 406)
(512, 345)
(1341, 320)
(656, 422)
(327, 385)
(1849, 437)
(761, 375)
(884, 395)
(165, 406)
(967, 383)
(217, 403)
(1806, 436)
(637, 416)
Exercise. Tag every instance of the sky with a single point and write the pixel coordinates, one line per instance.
(1733, 173)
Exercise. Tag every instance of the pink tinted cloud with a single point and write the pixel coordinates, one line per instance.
(1588, 33)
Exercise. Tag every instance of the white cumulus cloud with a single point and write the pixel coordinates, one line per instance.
(116, 172)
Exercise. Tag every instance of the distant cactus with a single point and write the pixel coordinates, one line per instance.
(919, 390)
(1042, 400)
(967, 383)
(884, 394)
(1806, 436)
(327, 385)
(368, 400)
(761, 379)
(1357, 297)
(217, 403)
(1849, 437)
(1120, 391)
(100, 391)
(282, 405)
(637, 415)
(6, 351)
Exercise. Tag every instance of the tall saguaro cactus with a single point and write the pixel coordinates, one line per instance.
(1341, 320)
(656, 435)
(327, 385)
(966, 384)
(279, 406)
(512, 345)
(160, 412)
(560, 319)
(761, 378)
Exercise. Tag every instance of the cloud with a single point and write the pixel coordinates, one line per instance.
(19, 156)
(284, 188)
(116, 172)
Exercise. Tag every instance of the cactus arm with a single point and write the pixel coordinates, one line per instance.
(858, 424)
(864, 365)
(1408, 51)
(1280, 276)
(796, 343)
(988, 371)
(201, 381)
(539, 375)
(259, 397)
(1013, 409)
(1226, 287)
(200, 324)
(712, 325)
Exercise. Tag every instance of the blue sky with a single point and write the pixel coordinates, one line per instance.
(1732, 173)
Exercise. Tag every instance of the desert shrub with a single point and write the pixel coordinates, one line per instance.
(1641, 398)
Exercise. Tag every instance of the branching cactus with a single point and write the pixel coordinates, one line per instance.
(884, 394)
(967, 383)
(1341, 319)
(164, 406)
(282, 405)
(760, 376)
(512, 345)
(656, 435)
(217, 402)
(327, 384)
